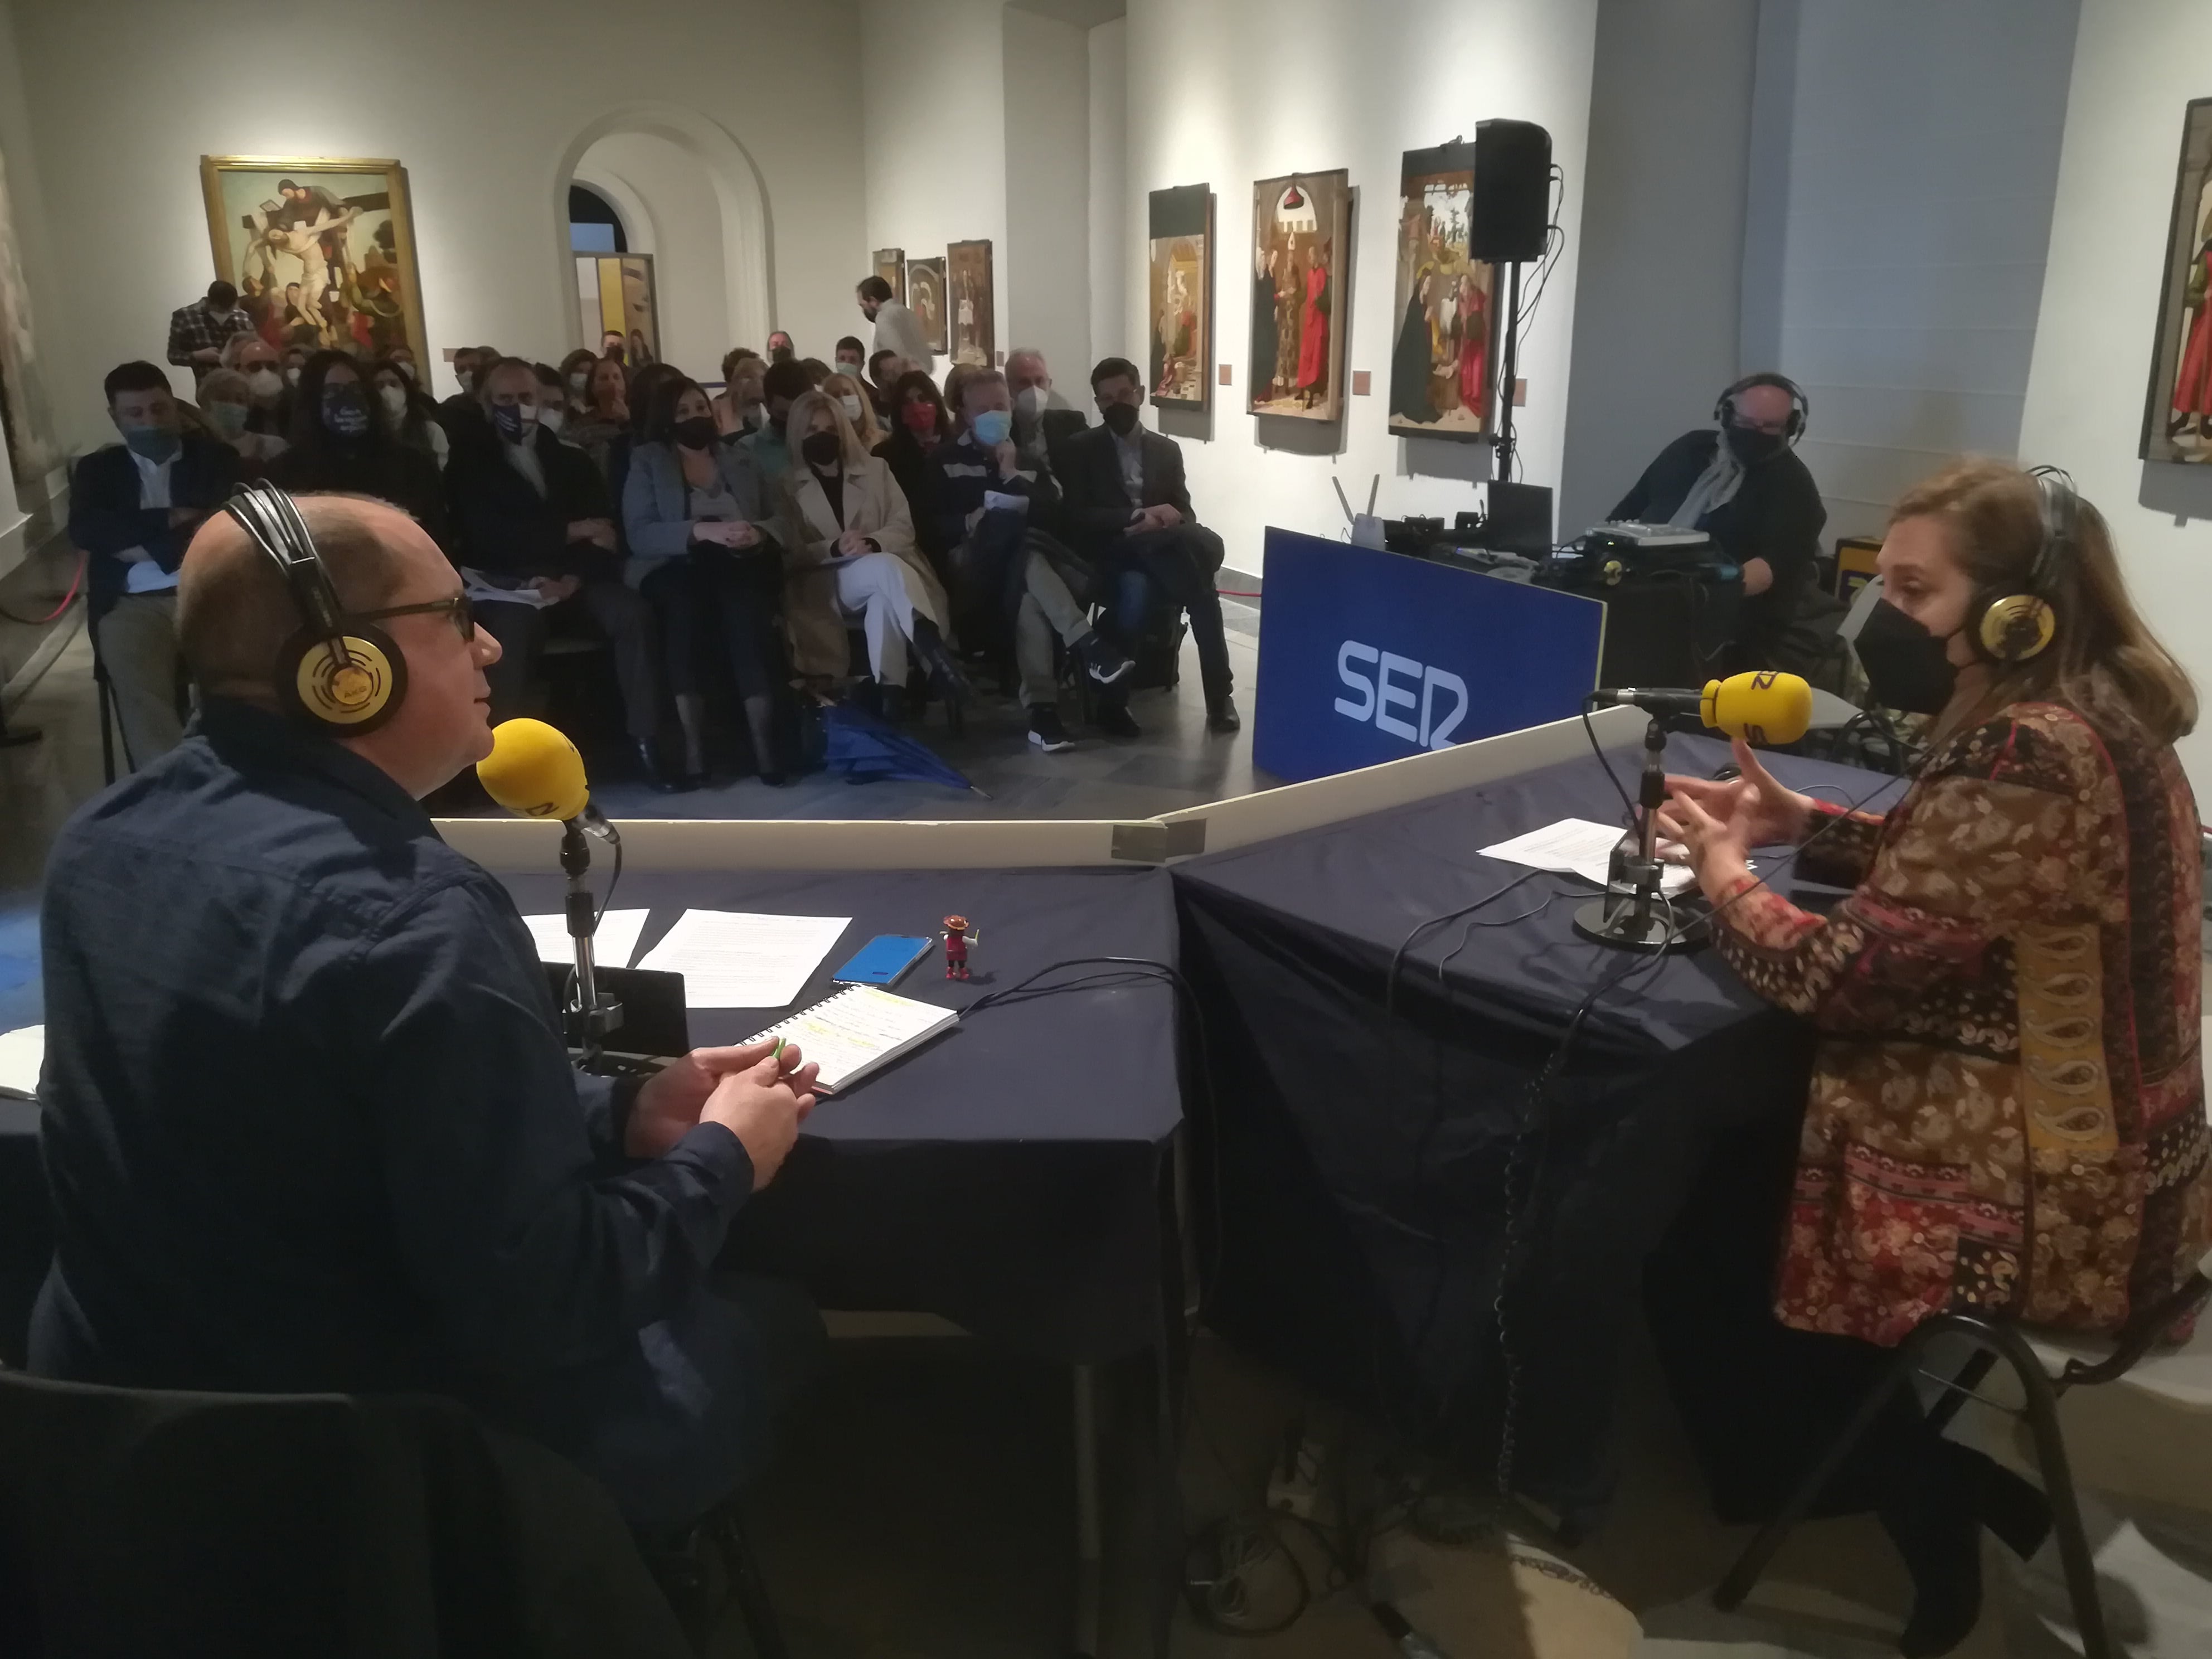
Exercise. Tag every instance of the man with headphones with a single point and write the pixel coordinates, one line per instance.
(309, 1123)
(1741, 482)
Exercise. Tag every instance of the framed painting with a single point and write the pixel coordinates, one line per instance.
(1440, 357)
(322, 251)
(2178, 414)
(891, 265)
(1181, 363)
(969, 303)
(1301, 253)
(925, 297)
(33, 449)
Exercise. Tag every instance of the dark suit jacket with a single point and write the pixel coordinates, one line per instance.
(1098, 504)
(105, 519)
(504, 527)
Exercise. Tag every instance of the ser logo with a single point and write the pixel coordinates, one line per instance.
(1399, 682)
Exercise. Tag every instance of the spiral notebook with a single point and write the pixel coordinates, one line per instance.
(857, 1032)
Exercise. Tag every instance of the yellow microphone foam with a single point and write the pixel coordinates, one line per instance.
(534, 772)
(1765, 707)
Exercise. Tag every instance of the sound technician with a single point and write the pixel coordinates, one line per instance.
(309, 1124)
(1742, 483)
(2007, 1110)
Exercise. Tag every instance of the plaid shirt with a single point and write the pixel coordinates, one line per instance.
(195, 328)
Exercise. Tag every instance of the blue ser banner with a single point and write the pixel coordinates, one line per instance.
(1367, 657)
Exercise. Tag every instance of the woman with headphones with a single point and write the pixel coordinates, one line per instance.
(2006, 1111)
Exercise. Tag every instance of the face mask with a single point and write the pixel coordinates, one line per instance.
(344, 411)
(1120, 418)
(821, 448)
(921, 419)
(579, 384)
(1031, 401)
(406, 368)
(551, 419)
(1905, 664)
(847, 366)
(467, 377)
(850, 405)
(991, 428)
(155, 443)
(292, 375)
(696, 432)
(265, 383)
(394, 399)
(227, 419)
(1753, 447)
(512, 422)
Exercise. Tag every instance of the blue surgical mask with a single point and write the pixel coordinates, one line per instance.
(991, 428)
(156, 443)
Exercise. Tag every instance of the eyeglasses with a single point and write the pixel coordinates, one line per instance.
(456, 607)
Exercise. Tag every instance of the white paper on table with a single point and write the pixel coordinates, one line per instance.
(612, 944)
(743, 959)
(482, 591)
(1576, 847)
(21, 1052)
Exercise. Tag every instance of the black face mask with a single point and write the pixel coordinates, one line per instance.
(821, 448)
(1753, 447)
(1905, 664)
(1122, 418)
(697, 433)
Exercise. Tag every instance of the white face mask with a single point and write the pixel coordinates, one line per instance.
(550, 418)
(265, 383)
(292, 375)
(1031, 401)
(394, 399)
(851, 405)
(579, 383)
(407, 367)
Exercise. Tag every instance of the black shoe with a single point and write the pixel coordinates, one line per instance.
(895, 705)
(2007, 1503)
(1046, 731)
(1934, 1521)
(1101, 659)
(1113, 719)
(1221, 714)
(656, 775)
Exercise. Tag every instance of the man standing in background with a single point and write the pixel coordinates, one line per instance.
(897, 329)
(198, 332)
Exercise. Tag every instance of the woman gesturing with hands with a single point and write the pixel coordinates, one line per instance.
(1720, 822)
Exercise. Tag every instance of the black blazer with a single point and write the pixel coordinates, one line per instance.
(503, 527)
(105, 519)
(1098, 505)
(388, 469)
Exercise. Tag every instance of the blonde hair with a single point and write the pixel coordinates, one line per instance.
(2103, 660)
(801, 422)
(869, 430)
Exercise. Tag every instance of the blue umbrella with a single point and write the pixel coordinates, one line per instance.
(865, 750)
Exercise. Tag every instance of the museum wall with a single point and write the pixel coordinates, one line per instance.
(1657, 303)
(1110, 223)
(1240, 90)
(656, 185)
(1905, 158)
(483, 103)
(1045, 265)
(2137, 65)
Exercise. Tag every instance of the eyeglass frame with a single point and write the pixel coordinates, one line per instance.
(456, 607)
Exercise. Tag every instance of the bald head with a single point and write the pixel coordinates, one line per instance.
(235, 609)
(1764, 407)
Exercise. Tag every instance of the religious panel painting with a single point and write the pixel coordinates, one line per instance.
(33, 450)
(925, 297)
(322, 252)
(969, 305)
(1440, 358)
(1301, 255)
(2177, 418)
(891, 265)
(1181, 304)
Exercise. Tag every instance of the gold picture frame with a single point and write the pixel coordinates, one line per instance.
(281, 225)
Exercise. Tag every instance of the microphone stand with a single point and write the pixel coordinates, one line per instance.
(1631, 914)
(587, 1017)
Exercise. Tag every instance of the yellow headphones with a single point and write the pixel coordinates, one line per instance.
(338, 674)
(2015, 627)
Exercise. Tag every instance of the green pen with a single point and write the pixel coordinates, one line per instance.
(776, 1053)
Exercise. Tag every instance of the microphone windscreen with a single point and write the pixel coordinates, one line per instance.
(1765, 707)
(534, 772)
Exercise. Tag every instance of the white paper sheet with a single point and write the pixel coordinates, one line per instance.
(612, 946)
(1576, 846)
(20, 1054)
(742, 959)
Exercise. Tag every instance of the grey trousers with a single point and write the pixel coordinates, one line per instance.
(618, 611)
(1047, 609)
(137, 640)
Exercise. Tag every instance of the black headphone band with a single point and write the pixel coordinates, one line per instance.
(272, 519)
(1800, 409)
(2061, 506)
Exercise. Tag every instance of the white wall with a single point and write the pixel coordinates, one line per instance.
(2138, 63)
(1109, 53)
(1656, 311)
(1240, 90)
(670, 187)
(1907, 245)
(481, 102)
(1045, 266)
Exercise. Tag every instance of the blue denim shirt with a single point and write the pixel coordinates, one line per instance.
(309, 1121)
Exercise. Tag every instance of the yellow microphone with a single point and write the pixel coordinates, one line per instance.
(534, 772)
(1764, 706)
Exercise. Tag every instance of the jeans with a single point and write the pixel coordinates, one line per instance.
(1161, 562)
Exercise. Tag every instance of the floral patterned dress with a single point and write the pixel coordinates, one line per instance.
(2007, 1102)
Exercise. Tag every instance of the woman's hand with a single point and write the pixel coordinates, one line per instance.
(851, 544)
(1717, 850)
(1765, 813)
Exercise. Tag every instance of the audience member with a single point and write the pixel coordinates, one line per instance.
(779, 348)
(920, 424)
(850, 358)
(462, 409)
(133, 508)
(227, 405)
(784, 385)
(295, 357)
(641, 354)
(643, 386)
(271, 399)
(402, 357)
(850, 396)
(1129, 513)
(990, 509)
(816, 371)
(897, 329)
(576, 376)
(198, 332)
(407, 412)
(603, 416)
(532, 519)
(738, 409)
(1043, 420)
(612, 345)
(853, 557)
(885, 369)
(339, 444)
(552, 397)
(704, 550)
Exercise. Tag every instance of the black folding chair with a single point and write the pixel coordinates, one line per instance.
(1993, 1338)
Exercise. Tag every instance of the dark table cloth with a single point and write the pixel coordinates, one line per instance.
(1008, 1175)
(1363, 1166)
